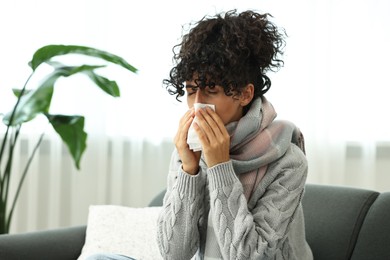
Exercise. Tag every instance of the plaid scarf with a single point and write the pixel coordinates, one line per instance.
(257, 139)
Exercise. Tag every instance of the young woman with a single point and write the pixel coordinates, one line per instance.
(240, 196)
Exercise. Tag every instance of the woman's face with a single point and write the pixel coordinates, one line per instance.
(228, 108)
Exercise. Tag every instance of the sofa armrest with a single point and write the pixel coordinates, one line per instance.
(374, 240)
(64, 243)
(333, 218)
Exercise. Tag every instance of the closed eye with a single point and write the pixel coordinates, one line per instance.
(191, 90)
(212, 90)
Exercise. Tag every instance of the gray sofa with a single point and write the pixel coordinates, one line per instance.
(341, 223)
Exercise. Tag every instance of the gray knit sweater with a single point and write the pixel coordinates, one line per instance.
(208, 215)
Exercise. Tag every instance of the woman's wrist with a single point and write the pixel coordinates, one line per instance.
(190, 170)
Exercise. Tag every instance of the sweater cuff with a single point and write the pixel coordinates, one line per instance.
(221, 175)
(187, 184)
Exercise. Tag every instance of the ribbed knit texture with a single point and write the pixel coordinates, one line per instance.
(246, 208)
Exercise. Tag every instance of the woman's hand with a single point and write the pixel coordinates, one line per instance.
(190, 159)
(213, 136)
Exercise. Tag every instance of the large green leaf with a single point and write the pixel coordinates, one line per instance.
(108, 86)
(71, 130)
(33, 102)
(37, 101)
(67, 71)
(45, 53)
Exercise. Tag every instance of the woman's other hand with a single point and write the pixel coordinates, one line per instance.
(190, 159)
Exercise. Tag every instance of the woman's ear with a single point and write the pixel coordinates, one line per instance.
(247, 95)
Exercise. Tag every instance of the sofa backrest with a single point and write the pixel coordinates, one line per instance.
(342, 222)
(157, 201)
(333, 218)
(58, 244)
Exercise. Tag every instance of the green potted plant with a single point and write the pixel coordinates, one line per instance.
(33, 102)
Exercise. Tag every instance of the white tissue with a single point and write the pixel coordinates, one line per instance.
(192, 137)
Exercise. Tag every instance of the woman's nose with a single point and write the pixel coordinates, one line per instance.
(199, 97)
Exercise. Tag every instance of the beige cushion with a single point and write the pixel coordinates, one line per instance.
(122, 230)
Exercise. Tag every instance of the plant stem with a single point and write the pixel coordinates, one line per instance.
(3, 144)
(5, 175)
(8, 221)
(10, 121)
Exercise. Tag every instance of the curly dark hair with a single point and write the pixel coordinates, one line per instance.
(231, 50)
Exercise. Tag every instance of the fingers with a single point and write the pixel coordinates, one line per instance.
(184, 125)
(211, 124)
(214, 137)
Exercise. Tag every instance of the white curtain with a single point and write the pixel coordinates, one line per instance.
(333, 86)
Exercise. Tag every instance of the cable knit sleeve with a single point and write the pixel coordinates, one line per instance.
(183, 209)
(260, 232)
